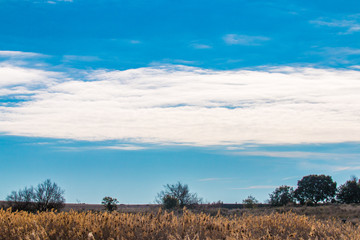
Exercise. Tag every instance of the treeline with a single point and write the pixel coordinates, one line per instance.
(314, 189)
(44, 197)
(311, 190)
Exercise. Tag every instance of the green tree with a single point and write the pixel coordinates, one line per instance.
(349, 192)
(250, 202)
(180, 192)
(315, 188)
(282, 196)
(110, 203)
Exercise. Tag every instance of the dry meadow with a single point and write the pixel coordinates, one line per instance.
(167, 225)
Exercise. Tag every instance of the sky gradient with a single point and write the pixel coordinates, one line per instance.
(118, 98)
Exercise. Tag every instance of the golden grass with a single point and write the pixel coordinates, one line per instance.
(164, 225)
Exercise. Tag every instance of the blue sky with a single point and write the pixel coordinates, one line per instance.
(233, 98)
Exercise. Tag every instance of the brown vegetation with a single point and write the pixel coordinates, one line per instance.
(165, 225)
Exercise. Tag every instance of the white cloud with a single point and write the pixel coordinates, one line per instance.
(343, 51)
(337, 54)
(292, 177)
(235, 39)
(186, 105)
(135, 41)
(300, 154)
(351, 26)
(19, 54)
(256, 187)
(214, 179)
(69, 58)
(123, 147)
(327, 167)
(21, 80)
(345, 168)
(200, 46)
(56, 1)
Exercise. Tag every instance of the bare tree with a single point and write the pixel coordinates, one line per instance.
(180, 192)
(23, 200)
(44, 197)
(48, 195)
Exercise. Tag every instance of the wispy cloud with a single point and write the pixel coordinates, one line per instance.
(235, 39)
(337, 54)
(124, 147)
(345, 168)
(135, 41)
(19, 54)
(56, 1)
(327, 167)
(231, 148)
(70, 58)
(201, 46)
(256, 187)
(299, 154)
(342, 51)
(350, 26)
(292, 177)
(167, 61)
(214, 179)
(185, 105)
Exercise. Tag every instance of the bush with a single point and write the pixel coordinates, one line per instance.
(170, 202)
(110, 203)
(250, 202)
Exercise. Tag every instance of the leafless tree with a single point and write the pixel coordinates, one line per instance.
(180, 192)
(48, 195)
(22, 200)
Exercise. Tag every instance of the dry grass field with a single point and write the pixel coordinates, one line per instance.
(348, 212)
(160, 225)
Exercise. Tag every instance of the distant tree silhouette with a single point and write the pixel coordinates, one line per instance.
(313, 189)
(48, 196)
(250, 202)
(170, 202)
(180, 192)
(110, 203)
(282, 196)
(44, 197)
(349, 192)
(22, 200)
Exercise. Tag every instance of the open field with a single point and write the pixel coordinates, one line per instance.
(164, 225)
(348, 212)
(207, 221)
